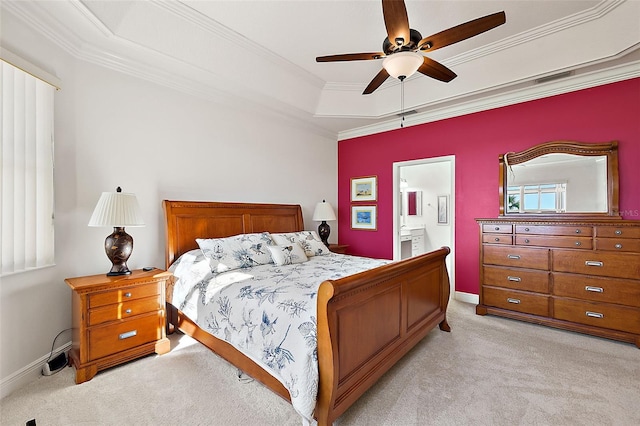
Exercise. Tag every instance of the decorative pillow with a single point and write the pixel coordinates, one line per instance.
(287, 254)
(308, 240)
(239, 251)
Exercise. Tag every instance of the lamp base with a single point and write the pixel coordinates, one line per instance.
(118, 247)
(323, 232)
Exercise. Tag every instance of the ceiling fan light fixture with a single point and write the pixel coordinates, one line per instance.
(402, 64)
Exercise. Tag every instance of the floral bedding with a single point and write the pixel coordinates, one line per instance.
(268, 312)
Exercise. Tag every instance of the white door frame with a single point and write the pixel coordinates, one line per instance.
(451, 159)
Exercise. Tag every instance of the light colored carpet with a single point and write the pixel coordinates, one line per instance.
(487, 371)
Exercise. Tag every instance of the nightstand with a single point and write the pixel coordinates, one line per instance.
(117, 319)
(339, 248)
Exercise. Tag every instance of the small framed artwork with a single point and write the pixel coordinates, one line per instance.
(443, 209)
(364, 217)
(364, 188)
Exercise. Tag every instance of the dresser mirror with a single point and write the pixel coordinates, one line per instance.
(561, 178)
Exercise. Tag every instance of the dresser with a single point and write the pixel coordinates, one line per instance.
(579, 275)
(116, 319)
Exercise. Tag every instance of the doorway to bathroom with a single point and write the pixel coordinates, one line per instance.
(424, 203)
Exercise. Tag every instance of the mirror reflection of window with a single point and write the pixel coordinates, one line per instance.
(550, 197)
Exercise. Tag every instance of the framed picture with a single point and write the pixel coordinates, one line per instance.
(443, 209)
(364, 217)
(364, 188)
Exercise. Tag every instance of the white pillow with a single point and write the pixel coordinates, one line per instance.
(287, 254)
(239, 251)
(308, 240)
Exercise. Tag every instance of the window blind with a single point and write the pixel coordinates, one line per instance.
(26, 171)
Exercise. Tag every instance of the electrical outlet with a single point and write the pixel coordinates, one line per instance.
(55, 365)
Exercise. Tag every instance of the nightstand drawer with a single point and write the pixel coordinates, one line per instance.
(124, 294)
(112, 339)
(123, 310)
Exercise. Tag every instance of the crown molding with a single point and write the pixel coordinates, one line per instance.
(194, 83)
(515, 96)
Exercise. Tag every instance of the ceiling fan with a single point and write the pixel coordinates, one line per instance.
(403, 46)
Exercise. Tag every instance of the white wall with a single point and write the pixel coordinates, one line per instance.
(116, 130)
(432, 179)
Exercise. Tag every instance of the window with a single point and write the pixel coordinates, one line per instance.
(549, 197)
(26, 168)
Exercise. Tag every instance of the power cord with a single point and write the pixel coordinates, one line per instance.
(46, 370)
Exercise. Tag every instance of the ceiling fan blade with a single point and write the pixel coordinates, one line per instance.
(351, 57)
(462, 31)
(376, 82)
(436, 70)
(397, 22)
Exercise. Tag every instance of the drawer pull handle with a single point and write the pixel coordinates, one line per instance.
(578, 231)
(515, 279)
(594, 314)
(578, 243)
(593, 263)
(127, 295)
(511, 300)
(128, 311)
(594, 289)
(618, 246)
(128, 334)
(513, 256)
(526, 229)
(497, 239)
(526, 240)
(497, 228)
(618, 232)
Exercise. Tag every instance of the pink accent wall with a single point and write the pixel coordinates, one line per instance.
(599, 114)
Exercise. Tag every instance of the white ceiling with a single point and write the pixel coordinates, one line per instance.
(262, 53)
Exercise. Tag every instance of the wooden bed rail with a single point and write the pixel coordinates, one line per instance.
(379, 315)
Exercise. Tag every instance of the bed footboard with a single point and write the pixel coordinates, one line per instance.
(368, 321)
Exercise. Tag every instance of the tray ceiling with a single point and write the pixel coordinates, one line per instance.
(262, 53)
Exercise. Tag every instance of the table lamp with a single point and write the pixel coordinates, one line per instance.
(117, 209)
(324, 212)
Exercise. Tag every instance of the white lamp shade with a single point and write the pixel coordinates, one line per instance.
(117, 209)
(323, 211)
(402, 64)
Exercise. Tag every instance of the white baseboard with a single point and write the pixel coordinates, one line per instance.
(466, 297)
(28, 373)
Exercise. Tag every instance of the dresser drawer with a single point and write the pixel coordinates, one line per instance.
(608, 290)
(520, 257)
(585, 243)
(605, 264)
(585, 231)
(497, 239)
(107, 340)
(618, 244)
(514, 300)
(123, 310)
(598, 314)
(124, 294)
(497, 228)
(618, 231)
(519, 279)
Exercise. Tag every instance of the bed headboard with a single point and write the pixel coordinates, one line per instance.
(188, 220)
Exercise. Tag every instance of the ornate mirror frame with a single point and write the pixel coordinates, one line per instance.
(610, 150)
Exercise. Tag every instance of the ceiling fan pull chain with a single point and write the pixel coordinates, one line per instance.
(402, 102)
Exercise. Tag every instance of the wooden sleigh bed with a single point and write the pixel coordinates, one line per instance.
(402, 301)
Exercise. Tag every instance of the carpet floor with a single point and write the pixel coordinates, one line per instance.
(487, 371)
